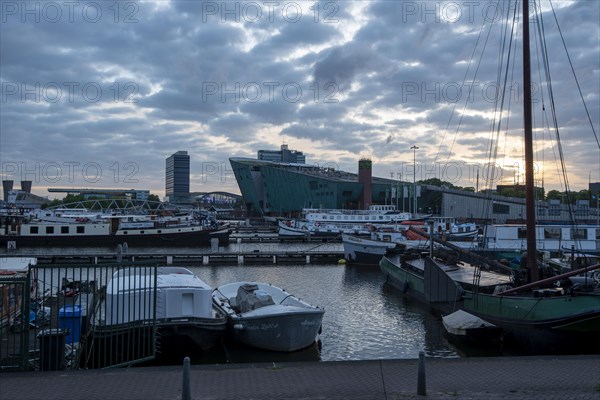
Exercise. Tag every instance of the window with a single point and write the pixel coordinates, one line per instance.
(64, 229)
(552, 233)
(33, 230)
(81, 229)
(522, 233)
(498, 208)
(578, 233)
(49, 230)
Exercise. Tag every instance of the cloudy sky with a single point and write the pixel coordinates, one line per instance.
(98, 94)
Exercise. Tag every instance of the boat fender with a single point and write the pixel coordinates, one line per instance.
(238, 327)
(320, 329)
(405, 287)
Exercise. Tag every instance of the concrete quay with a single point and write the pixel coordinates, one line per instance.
(536, 377)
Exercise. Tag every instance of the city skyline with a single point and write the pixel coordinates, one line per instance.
(90, 96)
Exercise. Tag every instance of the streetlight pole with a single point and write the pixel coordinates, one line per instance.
(414, 149)
(398, 192)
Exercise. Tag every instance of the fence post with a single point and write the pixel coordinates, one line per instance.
(421, 390)
(186, 393)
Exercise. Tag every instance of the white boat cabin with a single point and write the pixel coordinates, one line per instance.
(553, 238)
(376, 214)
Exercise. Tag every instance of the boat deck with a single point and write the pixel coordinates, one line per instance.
(460, 273)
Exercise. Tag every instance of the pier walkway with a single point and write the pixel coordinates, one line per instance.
(528, 378)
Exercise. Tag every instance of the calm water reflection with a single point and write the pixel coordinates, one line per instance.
(364, 318)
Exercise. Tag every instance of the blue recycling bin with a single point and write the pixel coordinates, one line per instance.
(69, 318)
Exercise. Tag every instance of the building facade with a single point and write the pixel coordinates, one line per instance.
(285, 189)
(284, 155)
(282, 188)
(177, 177)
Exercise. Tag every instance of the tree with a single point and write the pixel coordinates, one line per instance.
(583, 195)
(554, 195)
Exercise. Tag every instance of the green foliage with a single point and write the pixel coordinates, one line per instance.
(437, 182)
(554, 195)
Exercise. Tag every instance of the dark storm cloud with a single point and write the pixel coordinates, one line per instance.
(353, 79)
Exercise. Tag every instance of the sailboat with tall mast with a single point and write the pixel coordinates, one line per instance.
(553, 315)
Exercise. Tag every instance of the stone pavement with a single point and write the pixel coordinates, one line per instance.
(544, 378)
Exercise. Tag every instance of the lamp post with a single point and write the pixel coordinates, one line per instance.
(398, 191)
(414, 149)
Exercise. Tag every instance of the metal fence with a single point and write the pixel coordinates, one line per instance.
(14, 335)
(90, 316)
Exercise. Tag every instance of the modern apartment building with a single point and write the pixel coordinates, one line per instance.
(177, 177)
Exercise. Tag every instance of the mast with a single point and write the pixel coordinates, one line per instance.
(529, 178)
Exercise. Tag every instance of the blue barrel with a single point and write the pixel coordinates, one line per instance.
(69, 318)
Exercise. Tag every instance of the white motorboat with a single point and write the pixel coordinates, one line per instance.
(398, 237)
(370, 250)
(166, 306)
(332, 223)
(267, 317)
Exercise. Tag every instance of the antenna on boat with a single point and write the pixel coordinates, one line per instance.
(529, 178)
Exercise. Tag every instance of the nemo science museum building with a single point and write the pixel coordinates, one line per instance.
(279, 188)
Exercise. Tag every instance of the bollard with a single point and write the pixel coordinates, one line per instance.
(186, 392)
(421, 390)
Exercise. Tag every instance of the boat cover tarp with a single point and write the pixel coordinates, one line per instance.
(249, 297)
(460, 320)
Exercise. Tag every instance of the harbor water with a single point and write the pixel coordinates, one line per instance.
(365, 319)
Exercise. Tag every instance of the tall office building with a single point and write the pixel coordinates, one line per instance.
(177, 177)
(284, 155)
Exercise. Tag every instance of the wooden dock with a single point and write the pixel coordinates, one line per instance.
(268, 256)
